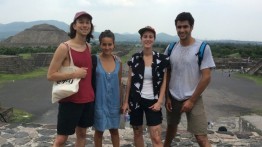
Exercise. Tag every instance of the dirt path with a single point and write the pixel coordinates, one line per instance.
(224, 97)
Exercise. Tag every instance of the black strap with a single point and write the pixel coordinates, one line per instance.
(94, 63)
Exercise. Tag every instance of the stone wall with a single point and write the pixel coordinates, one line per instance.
(229, 63)
(18, 65)
(15, 64)
(42, 59)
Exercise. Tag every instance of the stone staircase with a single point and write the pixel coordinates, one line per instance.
(255, 68)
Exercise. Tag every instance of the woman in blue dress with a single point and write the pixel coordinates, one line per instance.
(107, 98)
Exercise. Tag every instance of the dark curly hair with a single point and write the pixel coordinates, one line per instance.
(106, 33)
(185, 16)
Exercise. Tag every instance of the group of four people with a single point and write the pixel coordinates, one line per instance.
(152, 77)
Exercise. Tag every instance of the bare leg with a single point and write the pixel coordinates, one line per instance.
(155, 135)
(138, 136)
(60, 140)
(115, 137)
(170, 134)
(80, 137)
(98, 138)
(202, 140)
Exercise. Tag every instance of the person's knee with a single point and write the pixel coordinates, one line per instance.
(155, 134)
(99, 134)
(138, 131)
(156, 139)
(114, 132)
(81, 133)
(60, 140)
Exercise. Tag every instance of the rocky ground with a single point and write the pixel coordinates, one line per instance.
(226, 100)
(41, 135)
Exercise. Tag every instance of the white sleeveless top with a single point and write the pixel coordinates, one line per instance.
(147, 89)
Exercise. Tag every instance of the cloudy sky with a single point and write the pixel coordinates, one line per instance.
(214, 19)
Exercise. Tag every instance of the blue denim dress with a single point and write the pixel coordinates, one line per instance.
(107, 99)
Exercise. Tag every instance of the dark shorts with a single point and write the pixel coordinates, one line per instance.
(71, 115)
(153, 118)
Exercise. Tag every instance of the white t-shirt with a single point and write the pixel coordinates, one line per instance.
(147, 89)
(185, 72)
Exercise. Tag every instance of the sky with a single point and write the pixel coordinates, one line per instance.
(214, 19)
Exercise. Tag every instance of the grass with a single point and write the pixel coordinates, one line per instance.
(257, 111)
(235, 55)
(11, 77)
(20, 116)
(257, 79)
(127, 57)
(26, 56)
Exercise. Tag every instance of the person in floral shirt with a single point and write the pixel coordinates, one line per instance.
(146, 88)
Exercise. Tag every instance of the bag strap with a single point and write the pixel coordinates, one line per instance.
(69, 50)
(94, 64)
(201, 52)
(94, 61)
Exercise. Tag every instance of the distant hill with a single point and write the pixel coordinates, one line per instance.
(38, 35)
(161, 37)
(11, 29)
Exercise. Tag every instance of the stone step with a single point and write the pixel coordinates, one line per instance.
(251, 123)
(5, 114)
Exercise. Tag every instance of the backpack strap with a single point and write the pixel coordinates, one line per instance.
(170, 48)
(94, 64)
(201, 52)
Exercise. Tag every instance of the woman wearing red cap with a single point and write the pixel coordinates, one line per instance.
(145, 89)
(75, 112)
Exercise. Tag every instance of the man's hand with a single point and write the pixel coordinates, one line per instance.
(168, 105)
(187, 106)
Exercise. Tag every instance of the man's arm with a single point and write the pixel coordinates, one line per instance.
(168, 98)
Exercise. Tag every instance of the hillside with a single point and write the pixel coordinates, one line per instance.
(12, 29)
(39, 35)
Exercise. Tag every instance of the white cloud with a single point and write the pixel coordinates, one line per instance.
(118, 2)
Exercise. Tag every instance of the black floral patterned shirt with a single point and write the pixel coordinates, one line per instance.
(160, 63)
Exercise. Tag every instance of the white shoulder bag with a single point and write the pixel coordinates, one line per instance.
(65, 88)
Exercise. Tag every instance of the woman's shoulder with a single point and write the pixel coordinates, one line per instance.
(137, 54)
(63, 47)
(161, 55)
(117, 58)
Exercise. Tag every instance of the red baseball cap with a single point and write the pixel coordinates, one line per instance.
(82, 13)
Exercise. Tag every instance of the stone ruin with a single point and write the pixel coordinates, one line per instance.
(18, 65)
